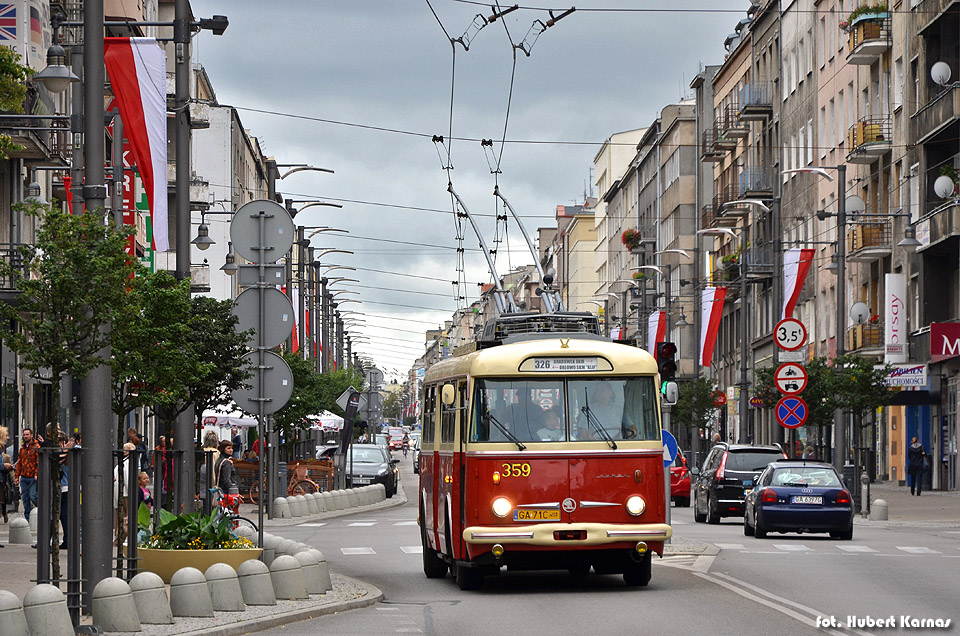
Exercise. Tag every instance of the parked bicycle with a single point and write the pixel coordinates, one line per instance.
(228, 507)
(299, 484)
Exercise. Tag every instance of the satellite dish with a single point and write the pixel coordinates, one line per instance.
(940, 72)
(855, 204)
(859, 313)
(944, 187)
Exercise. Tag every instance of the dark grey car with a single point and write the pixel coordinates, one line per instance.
(728, 473)
(372, 464)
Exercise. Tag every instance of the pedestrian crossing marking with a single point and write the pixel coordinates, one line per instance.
(730, 546)
(792, 547)
(916, 549)
(405, 523)
(355, 551)
(412, 549)
(856, 548)
(314, 525)
(362, 523)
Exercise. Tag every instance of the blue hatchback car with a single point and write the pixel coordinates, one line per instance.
(799, 496)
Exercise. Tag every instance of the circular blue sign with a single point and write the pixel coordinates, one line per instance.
(670, 448)
(791, 412)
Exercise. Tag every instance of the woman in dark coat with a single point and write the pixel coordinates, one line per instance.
(226, 479)
(916, 458)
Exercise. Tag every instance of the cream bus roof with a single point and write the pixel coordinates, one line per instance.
(505, 359)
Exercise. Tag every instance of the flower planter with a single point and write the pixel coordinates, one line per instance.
(165, 562)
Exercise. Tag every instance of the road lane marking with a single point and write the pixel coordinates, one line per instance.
(362, 523)
(314, 525)
(856, 548)
(916, 549)
(792, 547)
(405, 523)
(730, 546)
(354, 551)
(412, 549)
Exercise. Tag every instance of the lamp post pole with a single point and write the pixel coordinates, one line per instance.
(839, 422)
(743, 431)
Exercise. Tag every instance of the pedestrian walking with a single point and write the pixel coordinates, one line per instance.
(237, 443)
(224, 469)
(25, 471)
(916, 465)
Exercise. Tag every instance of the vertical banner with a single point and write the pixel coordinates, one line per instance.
(895, 313)
(711, 309)
(796, 264)
(295, 337)
(656, 330)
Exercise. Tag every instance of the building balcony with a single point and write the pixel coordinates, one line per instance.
(869, 241)
(866, 339)
(728, 273)
(200, 278)
(758, 263)
(39, 139)
(869, 139)
(869, 38)
(12, 256)
(936, 115)
(936, 228)
(731, 126)
(756, 182)
(716, 213)
(709, 152)
(755, 101)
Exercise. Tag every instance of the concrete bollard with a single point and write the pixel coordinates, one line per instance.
(311, 571)
(353, 496)
(371, 495)
(286, 547)
(325, 582)
(247, 532)
(313, 506)
(281, 508)
(45, 610)
(255, 584)
(150, 597)
(270, 543)
(302, 503)
(189, 595)
(328, 505)
(296, 507)
(879, 510)
(381, 492)
(287, 578)
(224, 587)
(114, 609)
(20, 531)
(338, 502)
(12, 620)
(33, 523)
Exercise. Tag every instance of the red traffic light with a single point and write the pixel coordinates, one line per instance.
(666, 362)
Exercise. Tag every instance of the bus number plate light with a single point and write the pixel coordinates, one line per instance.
(570, 535)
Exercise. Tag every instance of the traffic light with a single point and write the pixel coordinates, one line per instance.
(666, 361)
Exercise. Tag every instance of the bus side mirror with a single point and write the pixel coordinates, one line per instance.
(448, 394)
(670, 393)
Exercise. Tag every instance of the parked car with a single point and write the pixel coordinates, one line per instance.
(799, 496)
(372, 464)
(729, 472)
(680, 482)
(416, 456)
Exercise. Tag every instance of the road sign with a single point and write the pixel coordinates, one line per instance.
(277, 232)
(670, 448)
(790, 334)
(790, 378)
(277, 384)
(277, 319)
(719, 398)
(793, 356)
(791, 412)
(345, 396)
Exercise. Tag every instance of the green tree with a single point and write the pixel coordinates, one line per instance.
(694, 408)
(77, 280)
(862, 389)
(13, 90)
(393, 406)
(306, 399)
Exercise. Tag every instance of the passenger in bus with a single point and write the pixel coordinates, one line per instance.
(609, 412)
(552, 430)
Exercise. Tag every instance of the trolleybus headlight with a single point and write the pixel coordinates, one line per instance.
(501, 506)
(636, 505)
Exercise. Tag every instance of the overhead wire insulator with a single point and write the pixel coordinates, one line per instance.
(475, 27)
(488, 152)
(530, 38)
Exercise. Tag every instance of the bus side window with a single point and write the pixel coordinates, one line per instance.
(463, 403)
(448, 422)
(429, 413)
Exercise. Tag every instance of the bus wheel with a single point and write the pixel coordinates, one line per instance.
(469, 578)
(638, 574)
(433, 566)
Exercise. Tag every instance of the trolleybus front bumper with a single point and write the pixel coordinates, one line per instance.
(555, 535)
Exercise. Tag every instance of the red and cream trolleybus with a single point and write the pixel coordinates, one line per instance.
(541, 449)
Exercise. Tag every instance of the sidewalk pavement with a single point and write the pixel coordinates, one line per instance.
(932, 508)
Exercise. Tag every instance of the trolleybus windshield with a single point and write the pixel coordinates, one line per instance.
(589, 409)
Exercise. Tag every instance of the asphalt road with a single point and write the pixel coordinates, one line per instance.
(742, 585)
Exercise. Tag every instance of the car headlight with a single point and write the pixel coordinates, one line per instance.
(383, 471)
(501, 506)
(636, 505)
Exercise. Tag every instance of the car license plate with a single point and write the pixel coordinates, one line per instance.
(359, 480)
(536, 515)
(807, 499)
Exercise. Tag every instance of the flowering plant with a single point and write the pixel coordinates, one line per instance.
(631, 238)
(193, 531)
(639, 276)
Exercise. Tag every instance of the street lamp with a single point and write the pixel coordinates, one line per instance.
(309, 202)
(57, 76)
(230, 266)
(330, 268)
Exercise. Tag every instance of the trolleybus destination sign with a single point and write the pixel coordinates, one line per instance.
(564, 364)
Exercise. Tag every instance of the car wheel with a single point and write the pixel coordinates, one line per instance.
(760, 530)
(747, 528)
(638, 574)
(698, 516)
(844, 535)
(713, 515)
(682, 502)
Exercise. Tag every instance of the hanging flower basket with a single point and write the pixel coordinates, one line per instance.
(631, 238)
(639, 276)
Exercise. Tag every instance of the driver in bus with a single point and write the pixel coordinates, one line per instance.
(609, 413)
(552, 430)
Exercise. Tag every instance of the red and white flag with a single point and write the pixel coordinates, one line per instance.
(796, 264)
(137, 69)
(295, 336)
(711, 309)
(656, 330)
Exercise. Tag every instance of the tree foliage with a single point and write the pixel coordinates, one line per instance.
(13, 90)
(306, 399)
(393, 405)
(694, 406)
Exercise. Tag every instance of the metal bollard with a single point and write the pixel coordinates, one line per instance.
(287, 578)
(189, 595)
(255, 584)
(12, 620)
(880, 510)
(150, 597)
(311, 571)
(45, 609)
(114, 609)
(224, 586)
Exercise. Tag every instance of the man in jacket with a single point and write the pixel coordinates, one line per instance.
(25, 472)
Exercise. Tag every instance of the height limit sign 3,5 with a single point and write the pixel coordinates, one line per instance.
(790, 334)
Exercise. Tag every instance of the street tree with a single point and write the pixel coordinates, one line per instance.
(305, 400)
(393, 406)
(13, 91)
(862, 387)
(74, 281)
(694, 407)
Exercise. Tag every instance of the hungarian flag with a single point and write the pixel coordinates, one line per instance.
(796, 264)
(137, 69)
(711, 309)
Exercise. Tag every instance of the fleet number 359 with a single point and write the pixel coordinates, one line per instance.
(515, 470)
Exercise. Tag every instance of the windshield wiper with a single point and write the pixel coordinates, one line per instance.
(503, 429)
(595, 423)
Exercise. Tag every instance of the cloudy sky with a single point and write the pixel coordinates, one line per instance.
(362, 86)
